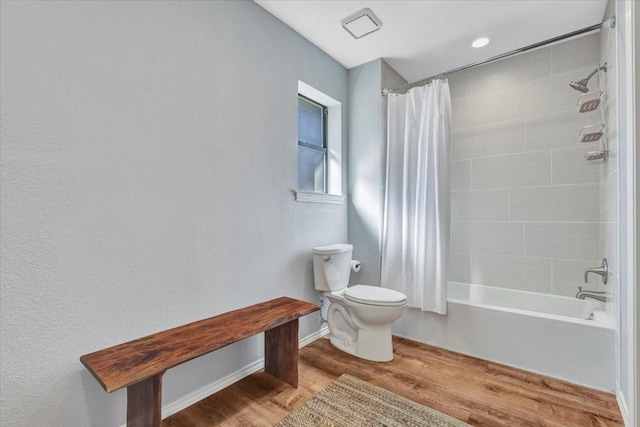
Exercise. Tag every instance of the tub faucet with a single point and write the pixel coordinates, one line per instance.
(602, 270)
(600, 296)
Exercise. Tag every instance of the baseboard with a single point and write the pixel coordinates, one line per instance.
(624, 411)
(314, 336)
(214, 387)
(211, 388)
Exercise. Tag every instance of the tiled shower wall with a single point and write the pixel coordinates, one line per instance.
(524, 204)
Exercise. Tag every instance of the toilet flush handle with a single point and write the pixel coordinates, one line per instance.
(328, 259)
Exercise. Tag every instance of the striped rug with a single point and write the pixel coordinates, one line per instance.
(350, 402)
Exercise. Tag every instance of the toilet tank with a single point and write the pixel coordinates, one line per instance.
(332, 266)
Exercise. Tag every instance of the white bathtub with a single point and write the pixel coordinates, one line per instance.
(542, 333)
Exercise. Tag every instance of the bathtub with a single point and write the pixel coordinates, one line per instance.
(558, 336)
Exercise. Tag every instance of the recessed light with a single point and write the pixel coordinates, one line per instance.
(481, 41)
(361, 23)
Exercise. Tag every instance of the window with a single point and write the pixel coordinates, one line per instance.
(312, 145)
(319, 147)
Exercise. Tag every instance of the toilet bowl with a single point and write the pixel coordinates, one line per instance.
(359, 317)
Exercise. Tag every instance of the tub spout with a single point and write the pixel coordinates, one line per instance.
(600, 296)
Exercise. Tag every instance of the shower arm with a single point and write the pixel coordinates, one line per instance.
(598, 68)
(602, 67)
(595, 71)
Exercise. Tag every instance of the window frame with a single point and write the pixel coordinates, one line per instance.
(333, 133)
(324, 149)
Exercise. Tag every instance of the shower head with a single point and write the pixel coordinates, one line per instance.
(581, 85)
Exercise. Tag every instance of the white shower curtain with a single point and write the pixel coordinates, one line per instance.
(415, 235)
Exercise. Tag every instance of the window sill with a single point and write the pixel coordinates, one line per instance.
(312, 197)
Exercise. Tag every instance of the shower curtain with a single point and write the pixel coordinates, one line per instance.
(415, 234)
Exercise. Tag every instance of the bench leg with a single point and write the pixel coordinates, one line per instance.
(281, 352)
(144, 403)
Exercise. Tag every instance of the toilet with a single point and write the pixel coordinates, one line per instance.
(359, 317)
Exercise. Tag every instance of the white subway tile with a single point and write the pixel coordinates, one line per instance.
(566, 240)
(460, 267)
(505, 238)
(557, 130)
(489, 140)
(513, 170)
(460, 84)
(480, 109)
(480, 205)
(582, 52)
(511, 71)
(608, 246)
(461, 175)
(554, 203)
(521, 273)
(570, 167)
(524, 205)
(544, 96)
(609, 198)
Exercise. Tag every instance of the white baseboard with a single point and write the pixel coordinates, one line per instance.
(211, 388)
(624, 411)
(214, 387)
(314, 336)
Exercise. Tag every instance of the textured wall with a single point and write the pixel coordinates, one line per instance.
(524, 208)
(148, 157)
(365, 173)
(367, 163)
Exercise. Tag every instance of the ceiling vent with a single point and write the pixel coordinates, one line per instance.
(361, 23)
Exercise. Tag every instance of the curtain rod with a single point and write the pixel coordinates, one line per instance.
(610, 23)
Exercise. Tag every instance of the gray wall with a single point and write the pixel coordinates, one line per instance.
(367, 159)
(524, 203)
(148, 157)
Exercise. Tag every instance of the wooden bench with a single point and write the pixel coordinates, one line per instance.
(139, 364)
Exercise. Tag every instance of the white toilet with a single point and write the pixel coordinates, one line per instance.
(359, 317)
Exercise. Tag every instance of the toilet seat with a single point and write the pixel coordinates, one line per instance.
(375, 295)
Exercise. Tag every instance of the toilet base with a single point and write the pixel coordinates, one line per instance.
(373, 344)
(362, 330)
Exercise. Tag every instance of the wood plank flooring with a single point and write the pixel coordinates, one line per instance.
(476, 391)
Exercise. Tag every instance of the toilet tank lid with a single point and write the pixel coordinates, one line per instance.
(333, 249)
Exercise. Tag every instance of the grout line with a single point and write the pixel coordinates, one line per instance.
(524, 239)
(526, 136)
(515, 153)
(553, 284)
(551, 167)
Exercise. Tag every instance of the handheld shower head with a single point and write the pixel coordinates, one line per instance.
(581, 85)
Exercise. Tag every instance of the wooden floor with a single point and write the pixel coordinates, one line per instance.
(478, 392)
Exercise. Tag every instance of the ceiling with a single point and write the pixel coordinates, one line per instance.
(423, 38)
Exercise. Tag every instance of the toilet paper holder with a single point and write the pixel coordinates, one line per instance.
(355, 265)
